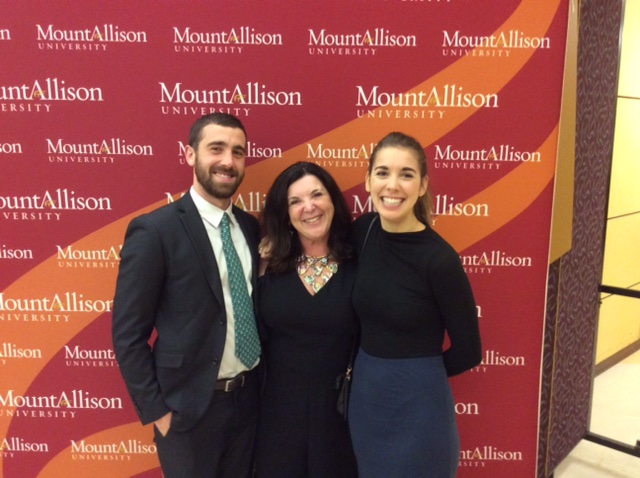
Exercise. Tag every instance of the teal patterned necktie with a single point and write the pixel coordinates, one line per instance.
(247, 342)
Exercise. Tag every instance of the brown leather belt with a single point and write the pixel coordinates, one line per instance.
(231, 384)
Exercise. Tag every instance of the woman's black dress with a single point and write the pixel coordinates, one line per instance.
(308, 343)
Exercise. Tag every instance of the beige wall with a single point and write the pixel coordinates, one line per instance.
(619, 321)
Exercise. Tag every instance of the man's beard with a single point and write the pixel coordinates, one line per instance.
(218, 191)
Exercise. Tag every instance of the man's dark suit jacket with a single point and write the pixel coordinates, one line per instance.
(169, 280)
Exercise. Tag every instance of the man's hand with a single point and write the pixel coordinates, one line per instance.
(163, 424)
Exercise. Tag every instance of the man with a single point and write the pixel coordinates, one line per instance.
(176, 278)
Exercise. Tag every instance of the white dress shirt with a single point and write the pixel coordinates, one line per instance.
(230, 365)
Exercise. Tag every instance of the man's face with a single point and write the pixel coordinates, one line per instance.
(218, 163)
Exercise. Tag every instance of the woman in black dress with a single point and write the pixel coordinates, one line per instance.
(308, 326)
(410, 290)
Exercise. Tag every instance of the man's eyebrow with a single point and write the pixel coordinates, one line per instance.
(216, 143)
(238, 147)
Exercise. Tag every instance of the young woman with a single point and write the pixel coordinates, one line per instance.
(410, 289)
(308, 326)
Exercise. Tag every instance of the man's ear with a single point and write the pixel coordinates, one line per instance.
(190, 156)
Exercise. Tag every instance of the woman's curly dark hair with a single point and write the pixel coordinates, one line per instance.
(283, 238)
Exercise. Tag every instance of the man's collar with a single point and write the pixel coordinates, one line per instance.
(209, 212)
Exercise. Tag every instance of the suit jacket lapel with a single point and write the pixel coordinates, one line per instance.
(192, 222)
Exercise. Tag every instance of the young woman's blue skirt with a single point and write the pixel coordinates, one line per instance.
(402, 418)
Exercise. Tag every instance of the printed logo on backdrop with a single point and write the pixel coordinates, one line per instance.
(13, 447)
(449, 157)
(5, 34)
(486, 455)
(234, 99)
(92, 38)
(182, 152)
(254, 151)
(105, 151)
(233, 40)
(359, 43)
(10, 352)
(495, 45)
(361, 204)
(74, 258)
(123, 450)
(470, 408)
(443, 205)
(15, 253)
(488, 262)
(493, 358)
(327, 155)
(10, 148)
(420, 105)
(49, 205)
(60, 404)
(39, 96)
(447, 205)
(53, 308)
(170, 197)
(250, 201)
(95, 358)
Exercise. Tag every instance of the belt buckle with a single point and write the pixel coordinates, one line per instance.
(234, 383)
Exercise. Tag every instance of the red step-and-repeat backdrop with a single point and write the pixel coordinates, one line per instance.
(96, 99)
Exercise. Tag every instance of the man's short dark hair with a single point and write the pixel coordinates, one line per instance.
(221, 119)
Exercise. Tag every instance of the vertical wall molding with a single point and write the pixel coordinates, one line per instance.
(573, 297)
